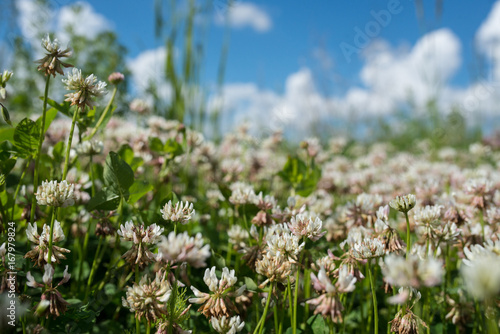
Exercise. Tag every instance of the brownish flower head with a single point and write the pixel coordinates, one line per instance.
(51, 63)
(406, 324)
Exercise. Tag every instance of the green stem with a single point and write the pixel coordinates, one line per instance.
(295, 302)
(262, 320)
(52, 219)
(374, 296)
(70, 140)
(276, 321)
(290, 303)
(103, 115)
(148, 328)
(137, 323)
(39, 149)
(18, 188)
(408, 240)
(93, 269)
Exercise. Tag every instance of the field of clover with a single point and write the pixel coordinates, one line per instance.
(118, 226)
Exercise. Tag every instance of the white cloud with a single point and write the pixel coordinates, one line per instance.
(82, 20)
(243, 14)
(36, 19)
(488, 38)
(149, 68)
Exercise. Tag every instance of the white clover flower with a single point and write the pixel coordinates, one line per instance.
(403, 203)
(139, 106)
(285, 243)
(58, 194)
(412, 271)
(238, 235)
(227, 325)
(275, 267)
(181, 212)
(89, 147)
(86, 89)
(149, 299)
(51, 63)
(428, 216)
(242, 193)
(217, 303)
(142, 237)
(346, 280)
(306, 226)
(368, 248)
(481, 274)
(183, 248)
(40, 251)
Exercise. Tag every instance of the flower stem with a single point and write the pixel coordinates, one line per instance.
(70, 140)
(39, 149)
(408, 239)
(290, 303)
(103, 115)
(264, 314)
(93, 269)
(137, 322)
(52, 219)
(374, 296)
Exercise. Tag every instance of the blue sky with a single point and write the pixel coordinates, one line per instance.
(287, 59)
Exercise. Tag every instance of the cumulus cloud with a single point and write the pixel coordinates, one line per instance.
(488, 38)
(83, 20)
(243, 14)
(149, 68)
(35, 19)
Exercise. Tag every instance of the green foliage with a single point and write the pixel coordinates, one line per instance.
(301, 177)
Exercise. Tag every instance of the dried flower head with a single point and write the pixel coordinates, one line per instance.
(403, 203)
(51, 63)
(40, 251)
(407, 323)
(86, 89)
(217, 303)
(149, 298)
(142, 237)
(51, 303)
(58, 194)
(181, 212)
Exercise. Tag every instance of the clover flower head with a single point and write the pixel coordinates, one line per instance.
(178, 248)
(276, 268)
(217, 303)
(403, 203)
(306, 226)
(368, 248)
(226, 325)
(85, 89)
(116, 77)
(51, 63)
(89, 147)
(181, 212)
(40, 251)
(149, 298)
(281, 240)
(142, 237)
(58, 194)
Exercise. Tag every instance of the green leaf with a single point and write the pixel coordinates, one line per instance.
(118, 175)
(58, 152)
(220, 262)
(173, 148)
(155, 144)
(106, 199)
(317, 325)
(127, 154)
(138, 190)
(50, 115)
(63, 107)
(302, 178)
(5, 114)
(6, 134)
(26, 137)
(251, 285)
(7, 165)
